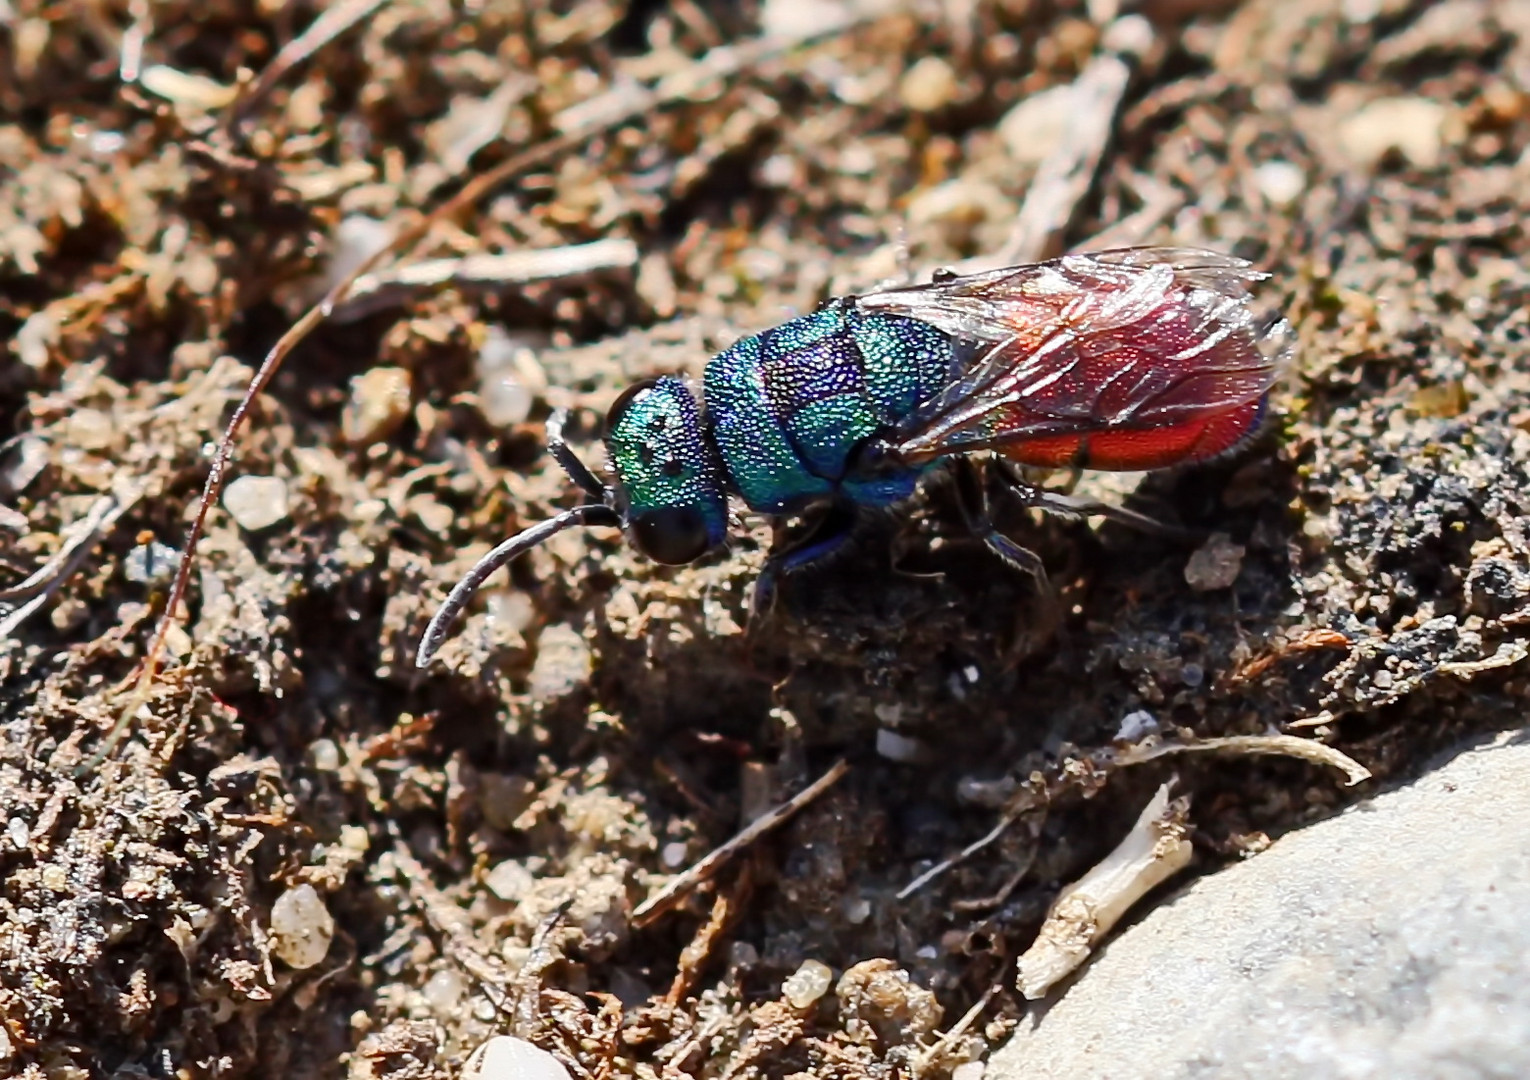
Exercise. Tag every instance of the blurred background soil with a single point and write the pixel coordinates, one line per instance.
(470, 841)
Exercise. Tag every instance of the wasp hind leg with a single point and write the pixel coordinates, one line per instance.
(1075, 507)
(1037, 624)
(972, 494)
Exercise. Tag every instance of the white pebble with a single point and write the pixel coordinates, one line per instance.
(969, 1070)
(992, 794)
(803, 987)
(357, 239)
(857, 909)
(900, 748)
(674, 855)
(324, 755)
(1281, 182)
(89, 429)
(959, 202)
(301, 927)
(444, 991)
(1413, 126)
(505, 1057)
(1215, 564)
(1136, 726)
(256, 502)
(510, 880)
(563, 664)
(27, 461)
(510, 609)
(510, 379)
(795, 18)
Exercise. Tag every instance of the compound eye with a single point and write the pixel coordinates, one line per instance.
(620, 406)
(674, 535)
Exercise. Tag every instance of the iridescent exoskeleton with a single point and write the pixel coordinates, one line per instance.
(1132, 359)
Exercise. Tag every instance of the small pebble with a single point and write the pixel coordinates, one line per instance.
(990, 794)
(900, 748)
(511, 609)
(510, 881)
(89, 429)
(1215, 564)
(27, 461)
(186, 88)
(324, 755)
(928, 86)
(19, 834)
(510, 378)
(1136, 726)
(503, 798)
(969, 1070)
(380, 401)
(1281, 182)
(149, 563)
(959, 202)
(357, 239)
(629, 989)
(444, 991)
(795, 18)
(803, 987)
(505, 1057)
(880, 1002)
(674, 855)
(741, 954)
(256, 502)
(301, 927)
(563, 664)
(35, 340)
(1034, 129)
(1413, 126)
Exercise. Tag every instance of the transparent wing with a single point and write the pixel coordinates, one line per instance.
(1113, 341)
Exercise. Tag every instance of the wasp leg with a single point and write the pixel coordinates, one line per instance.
(1074, 506)
(972, 494)
(828, 536)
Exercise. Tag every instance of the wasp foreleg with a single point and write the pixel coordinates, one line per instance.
(829, 534)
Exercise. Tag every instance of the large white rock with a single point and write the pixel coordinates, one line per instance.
(1391, 942)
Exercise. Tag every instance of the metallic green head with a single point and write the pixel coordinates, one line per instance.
(670, 489)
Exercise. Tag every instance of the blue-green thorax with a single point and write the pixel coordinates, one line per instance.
(794, 410)
(792, 416)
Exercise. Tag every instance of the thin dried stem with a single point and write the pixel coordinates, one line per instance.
(684, 882)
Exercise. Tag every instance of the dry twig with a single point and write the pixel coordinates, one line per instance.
(1282, 745)
(684, 882)
(26, 597)
(1155, 850)
(1064, 179)
(331, 23)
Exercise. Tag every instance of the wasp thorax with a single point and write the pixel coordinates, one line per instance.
(673, 499)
